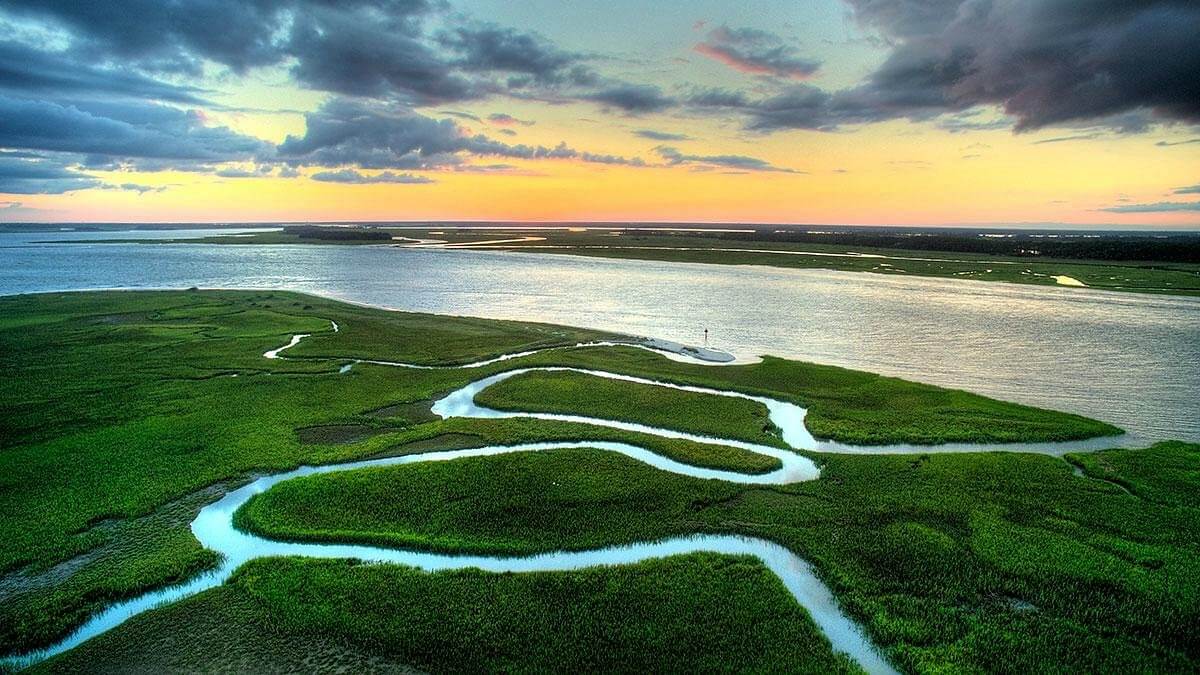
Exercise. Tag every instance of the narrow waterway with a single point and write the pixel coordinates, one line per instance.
(213, 527)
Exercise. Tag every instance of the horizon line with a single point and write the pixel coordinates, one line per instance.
(630, 224)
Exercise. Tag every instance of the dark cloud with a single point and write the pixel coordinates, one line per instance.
(970, 120)
(105, 99)
(488, 48)
(661, 135)
(674, 157)
(1167, 144)
(101, 163)
(365, 52)
(119, 130)
(153, 165)
(378, 48)
(29, 173)
(1045, 62)
(376, 136)
(27, 176)
(1132, 122)
(351, 176)
(901, 19)
(798, 107)
(34, 72)
(717, 98)
(382, 49)
(1158, 207)
(1188, 190)
(362, 53)
(177, 36)
(1065, 139)
(1070, 63)
(237, 173)
(757, 52)
(134, 187)
(596, 158)
(632, 98)
(486, 168)
(506, 120)
(345, 132)
(461, 115)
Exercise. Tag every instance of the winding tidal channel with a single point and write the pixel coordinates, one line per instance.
(214, 528)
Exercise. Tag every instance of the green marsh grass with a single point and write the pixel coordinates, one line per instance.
(591, 396)
(957, 562)
(121, 417)
(696, 613)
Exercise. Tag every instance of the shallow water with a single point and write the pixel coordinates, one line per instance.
(1129, 359)
(787, 417)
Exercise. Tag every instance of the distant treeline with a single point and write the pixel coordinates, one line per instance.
(1095, 246)
(337, 233)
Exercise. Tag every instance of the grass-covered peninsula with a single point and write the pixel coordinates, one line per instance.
(126, 412)
(570, 392)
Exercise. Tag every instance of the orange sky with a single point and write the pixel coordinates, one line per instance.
(716, 167)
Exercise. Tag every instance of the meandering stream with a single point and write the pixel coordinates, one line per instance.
(213, 526)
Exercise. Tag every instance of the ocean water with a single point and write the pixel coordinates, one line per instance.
(1129, 359)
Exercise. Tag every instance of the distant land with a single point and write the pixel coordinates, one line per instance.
(1097, 229)
(1164, 262)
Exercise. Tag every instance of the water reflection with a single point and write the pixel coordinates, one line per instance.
(1133, 360)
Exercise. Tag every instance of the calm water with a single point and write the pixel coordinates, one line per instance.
(1133, 360)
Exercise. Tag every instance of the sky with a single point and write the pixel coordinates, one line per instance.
(886, 112)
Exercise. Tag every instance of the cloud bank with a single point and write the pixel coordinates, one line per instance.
(124, 84)
(757, 52)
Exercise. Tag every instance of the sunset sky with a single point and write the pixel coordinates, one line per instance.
(917, 112)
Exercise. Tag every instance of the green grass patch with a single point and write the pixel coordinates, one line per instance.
(519, 504)
(697, 613)
(849, 405)
(121, 403)
(592, 396)
(429, 339)
(513, 431)
(952, 561)
(1165, 477)
(119, 414)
